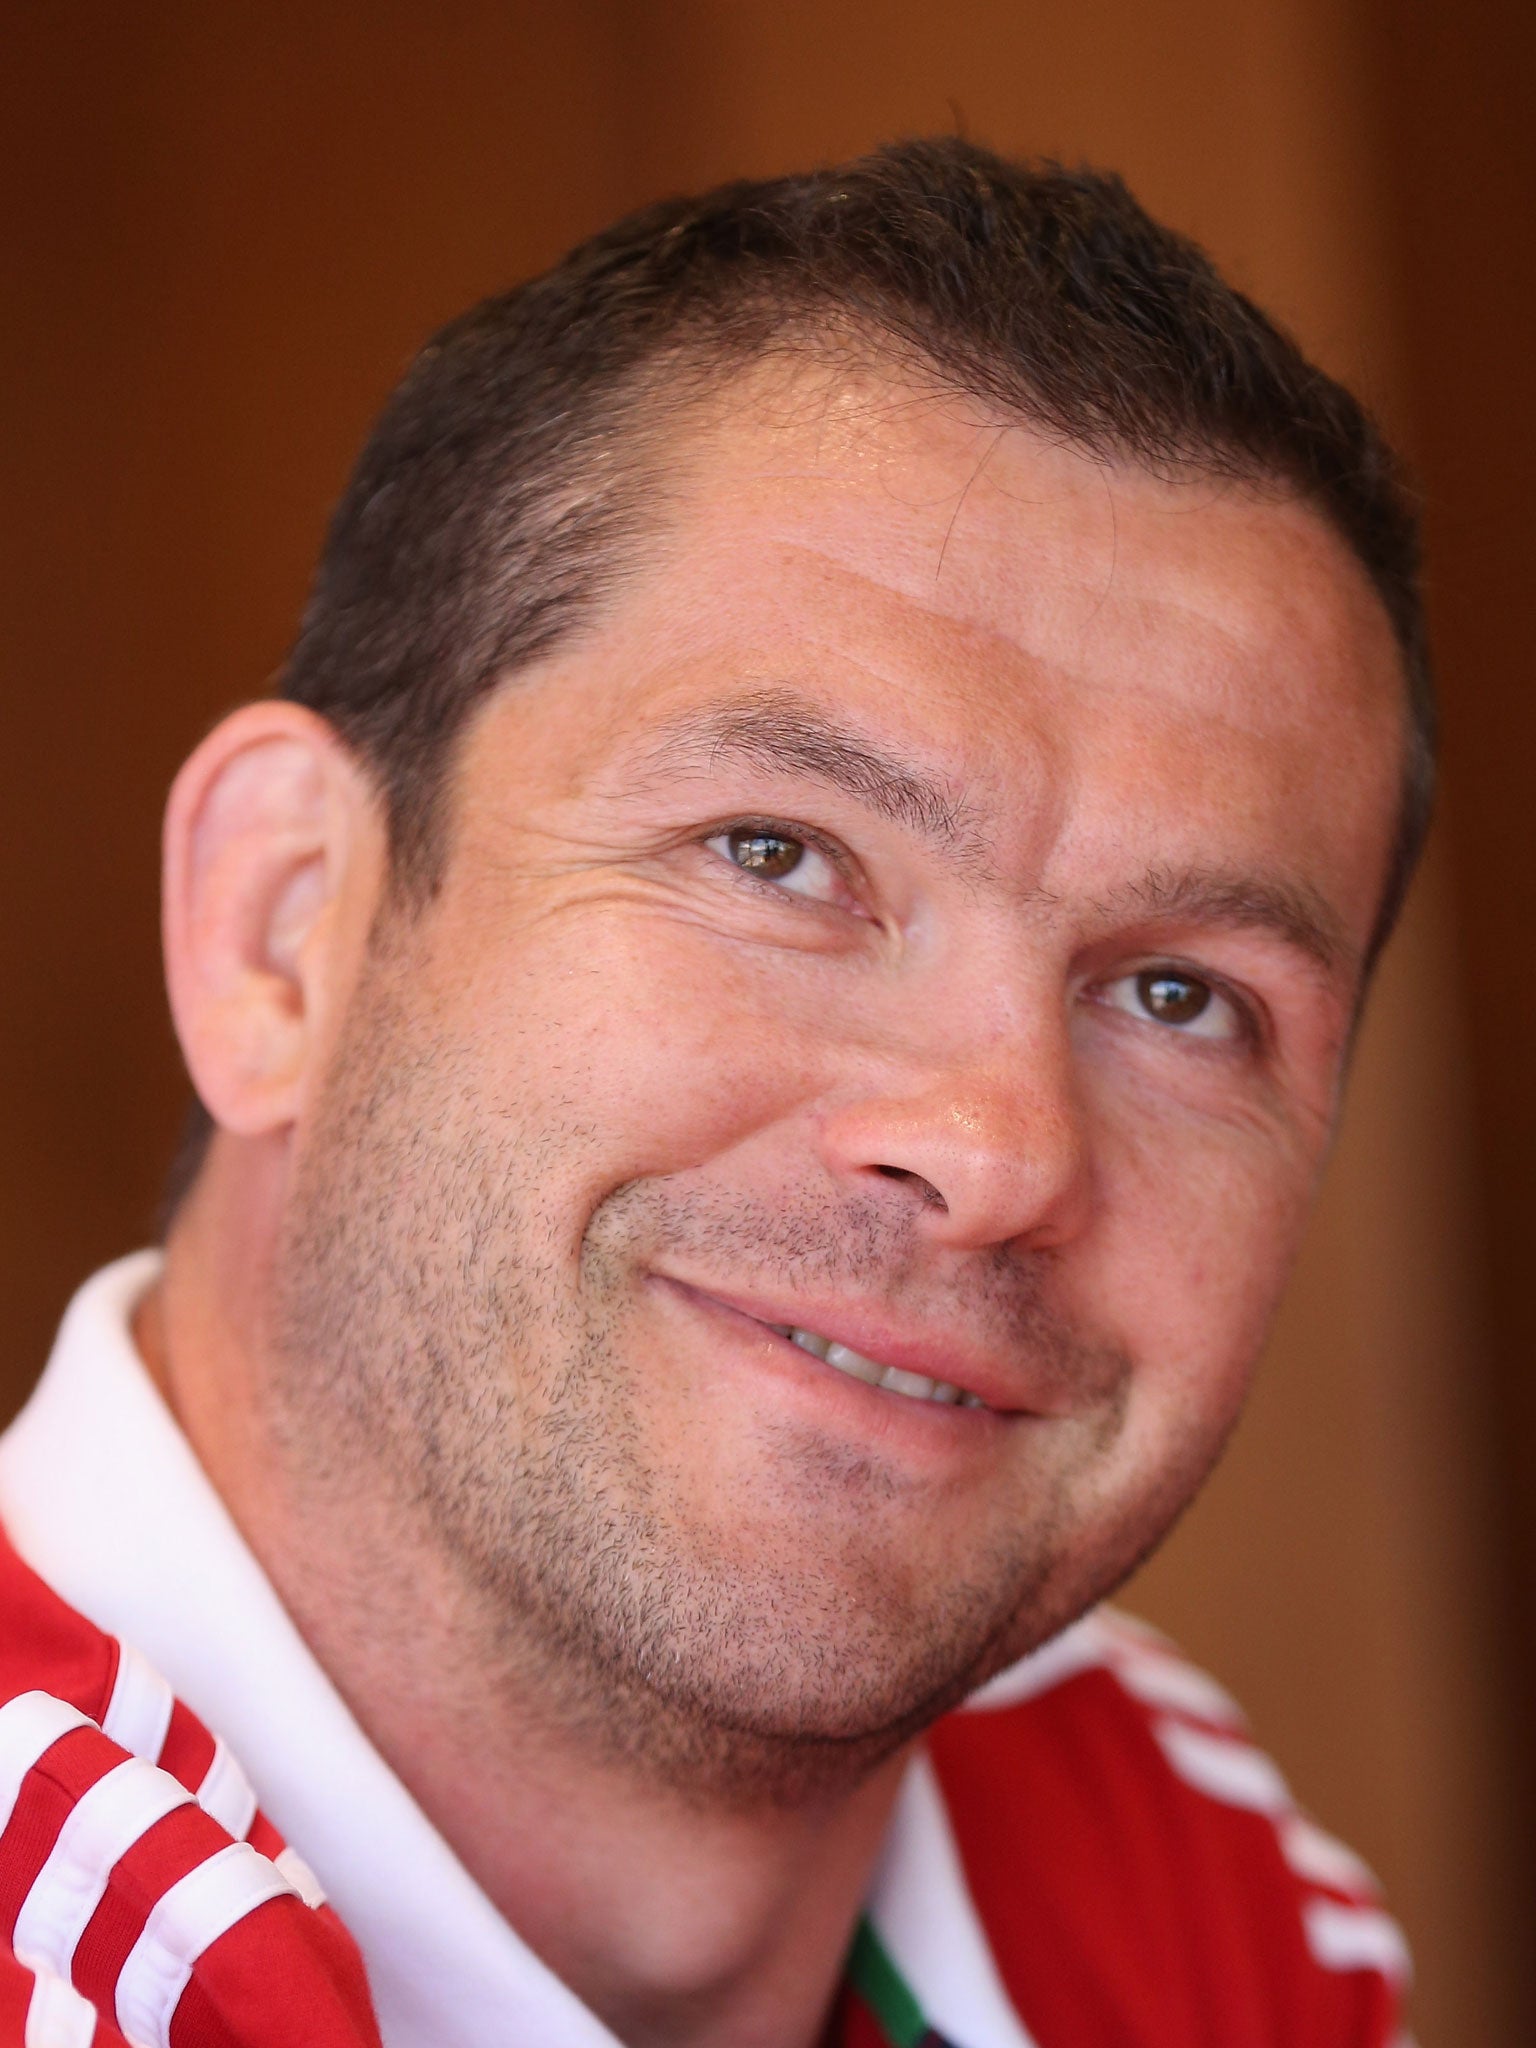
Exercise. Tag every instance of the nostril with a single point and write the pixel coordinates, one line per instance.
(923, 1187)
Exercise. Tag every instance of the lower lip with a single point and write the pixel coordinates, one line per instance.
(837, 1397)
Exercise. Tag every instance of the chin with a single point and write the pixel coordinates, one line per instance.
(730, 1694)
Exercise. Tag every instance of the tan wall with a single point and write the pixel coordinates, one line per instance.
(232, 226)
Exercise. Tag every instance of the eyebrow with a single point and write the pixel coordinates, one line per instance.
(778, 729)
(1287, 907)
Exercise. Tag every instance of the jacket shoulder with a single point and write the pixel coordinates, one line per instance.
(143, 1895)
(45, 1645)
(1140, 1867)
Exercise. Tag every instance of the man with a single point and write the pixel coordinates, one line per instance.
(769, 1007)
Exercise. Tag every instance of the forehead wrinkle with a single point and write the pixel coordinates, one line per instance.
(1286, 906)
(782, 730)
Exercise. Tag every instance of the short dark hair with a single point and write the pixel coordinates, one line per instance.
(500, 495)
(500, 490)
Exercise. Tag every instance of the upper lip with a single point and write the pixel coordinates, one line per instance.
(1004, 1385)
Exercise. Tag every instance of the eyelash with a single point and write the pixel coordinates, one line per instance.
(1252, 1033)
(784, 828)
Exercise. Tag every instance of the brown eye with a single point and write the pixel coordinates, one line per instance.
(1182, 1005)
(784, 861)
(1172, 998)
(766, 854)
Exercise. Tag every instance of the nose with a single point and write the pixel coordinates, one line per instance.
(992, 1148)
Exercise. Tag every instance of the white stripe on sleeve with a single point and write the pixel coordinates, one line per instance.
(58, 2016)
(139, 1711)
(1234, 1772)
(101, 1826)
(300, 1876)
(1315, 1855)
(1159, 1680)
(30, 1724)
(227, 1794)
(1356, 1938)
(185, 1921)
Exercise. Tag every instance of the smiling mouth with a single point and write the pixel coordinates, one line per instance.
(913, 1386)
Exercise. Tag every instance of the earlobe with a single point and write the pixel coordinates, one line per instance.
(272, 861)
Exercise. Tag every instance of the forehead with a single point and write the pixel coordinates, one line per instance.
(1051, 632)
(929, 514)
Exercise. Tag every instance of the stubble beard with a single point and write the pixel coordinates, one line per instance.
(429, 1343)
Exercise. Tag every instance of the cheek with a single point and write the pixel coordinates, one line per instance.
(1195, 1230)
(651, 1051)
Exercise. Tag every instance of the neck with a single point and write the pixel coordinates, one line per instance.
(678, 1920)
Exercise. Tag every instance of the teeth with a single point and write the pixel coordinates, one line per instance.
(915, 1385)
(912, 1383)
(855, 1364)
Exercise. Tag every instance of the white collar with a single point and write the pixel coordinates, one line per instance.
(104, 1497)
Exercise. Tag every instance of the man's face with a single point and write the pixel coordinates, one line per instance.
(922, 917)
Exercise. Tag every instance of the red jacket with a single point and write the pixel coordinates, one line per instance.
(1139, 1874)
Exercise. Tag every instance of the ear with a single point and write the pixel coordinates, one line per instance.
(274, 856)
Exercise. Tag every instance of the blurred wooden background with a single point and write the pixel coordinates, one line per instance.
(227, 228)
